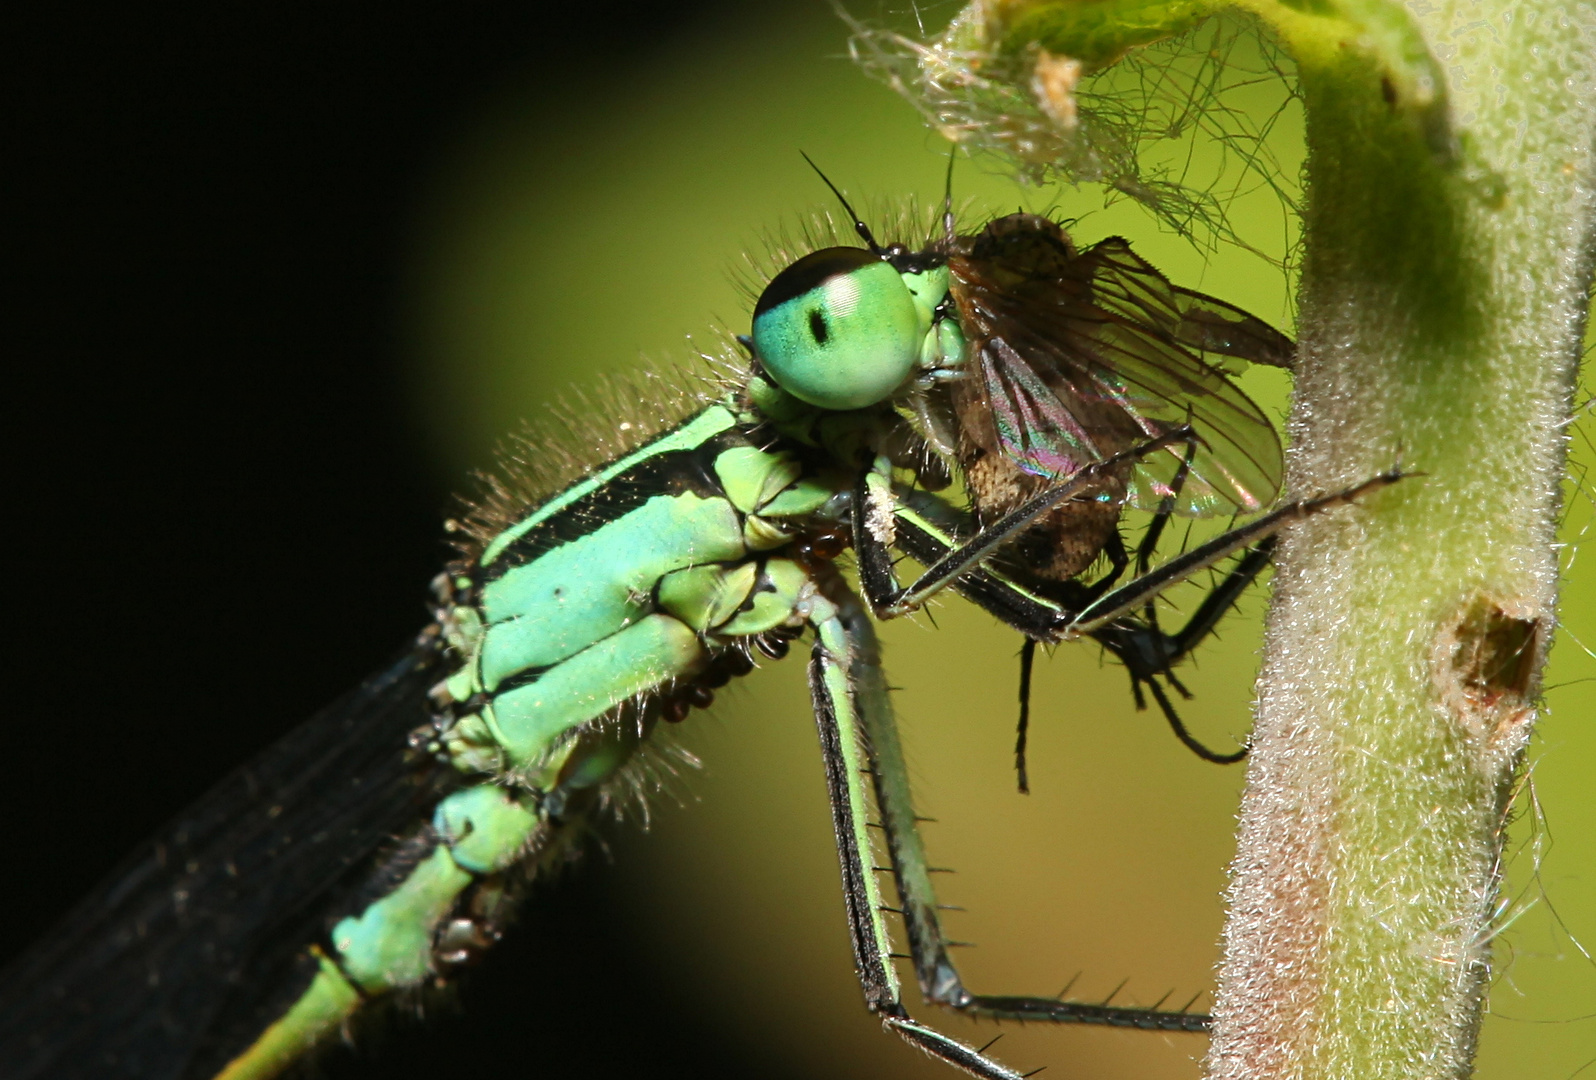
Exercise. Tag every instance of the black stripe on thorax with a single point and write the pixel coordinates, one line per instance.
(671, 473)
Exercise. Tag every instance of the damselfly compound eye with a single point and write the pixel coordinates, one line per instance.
(838, 329)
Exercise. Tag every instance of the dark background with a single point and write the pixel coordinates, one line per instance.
(208, 209)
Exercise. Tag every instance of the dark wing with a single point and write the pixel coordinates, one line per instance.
(1078, 357)
(1126, 285)
(176, 961)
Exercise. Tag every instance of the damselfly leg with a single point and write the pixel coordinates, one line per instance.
(1121, 601)
(1150, 654)
(928, 529)
(863, 760)
(874, 509)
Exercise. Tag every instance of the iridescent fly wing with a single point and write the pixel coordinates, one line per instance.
(1079, 356)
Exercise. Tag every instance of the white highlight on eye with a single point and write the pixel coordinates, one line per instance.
(843, 294)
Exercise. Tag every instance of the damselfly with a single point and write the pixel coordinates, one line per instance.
(382, 846)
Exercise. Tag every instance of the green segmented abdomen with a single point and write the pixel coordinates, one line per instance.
(654, 571)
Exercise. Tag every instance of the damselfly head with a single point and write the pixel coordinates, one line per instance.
(845, 327)
(841, 328)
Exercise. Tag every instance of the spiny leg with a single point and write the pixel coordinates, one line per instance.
(1155, 532)
(1219, 600)
(1027, 659)
(1118, 560)
(845, 680)
(1166, 510)
(928, 528)
(1147, 652)
(1112, 605)
(1144, 648)
(855, 715)
(873, 528)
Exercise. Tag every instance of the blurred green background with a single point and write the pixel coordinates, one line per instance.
(586, 230)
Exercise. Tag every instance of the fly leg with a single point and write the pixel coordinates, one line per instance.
(850, 696)
(928, 529)
(1146, 651)
(1155, 528)
(859, 740)
(874, 528)
(1114, 549)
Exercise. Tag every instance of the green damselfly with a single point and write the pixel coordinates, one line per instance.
(379, 848)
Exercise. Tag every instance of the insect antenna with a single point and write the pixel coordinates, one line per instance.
(947, 197)
(858, 223)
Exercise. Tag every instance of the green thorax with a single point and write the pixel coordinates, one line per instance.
(622, 589)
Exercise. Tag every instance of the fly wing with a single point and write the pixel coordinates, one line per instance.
(1082, 356)
(1054, 403)
(1048, 431)
(1124, 283)
(178, 959)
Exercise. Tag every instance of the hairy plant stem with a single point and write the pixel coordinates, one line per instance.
(1445, 282)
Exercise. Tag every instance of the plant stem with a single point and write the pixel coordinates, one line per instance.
(1442, 306)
